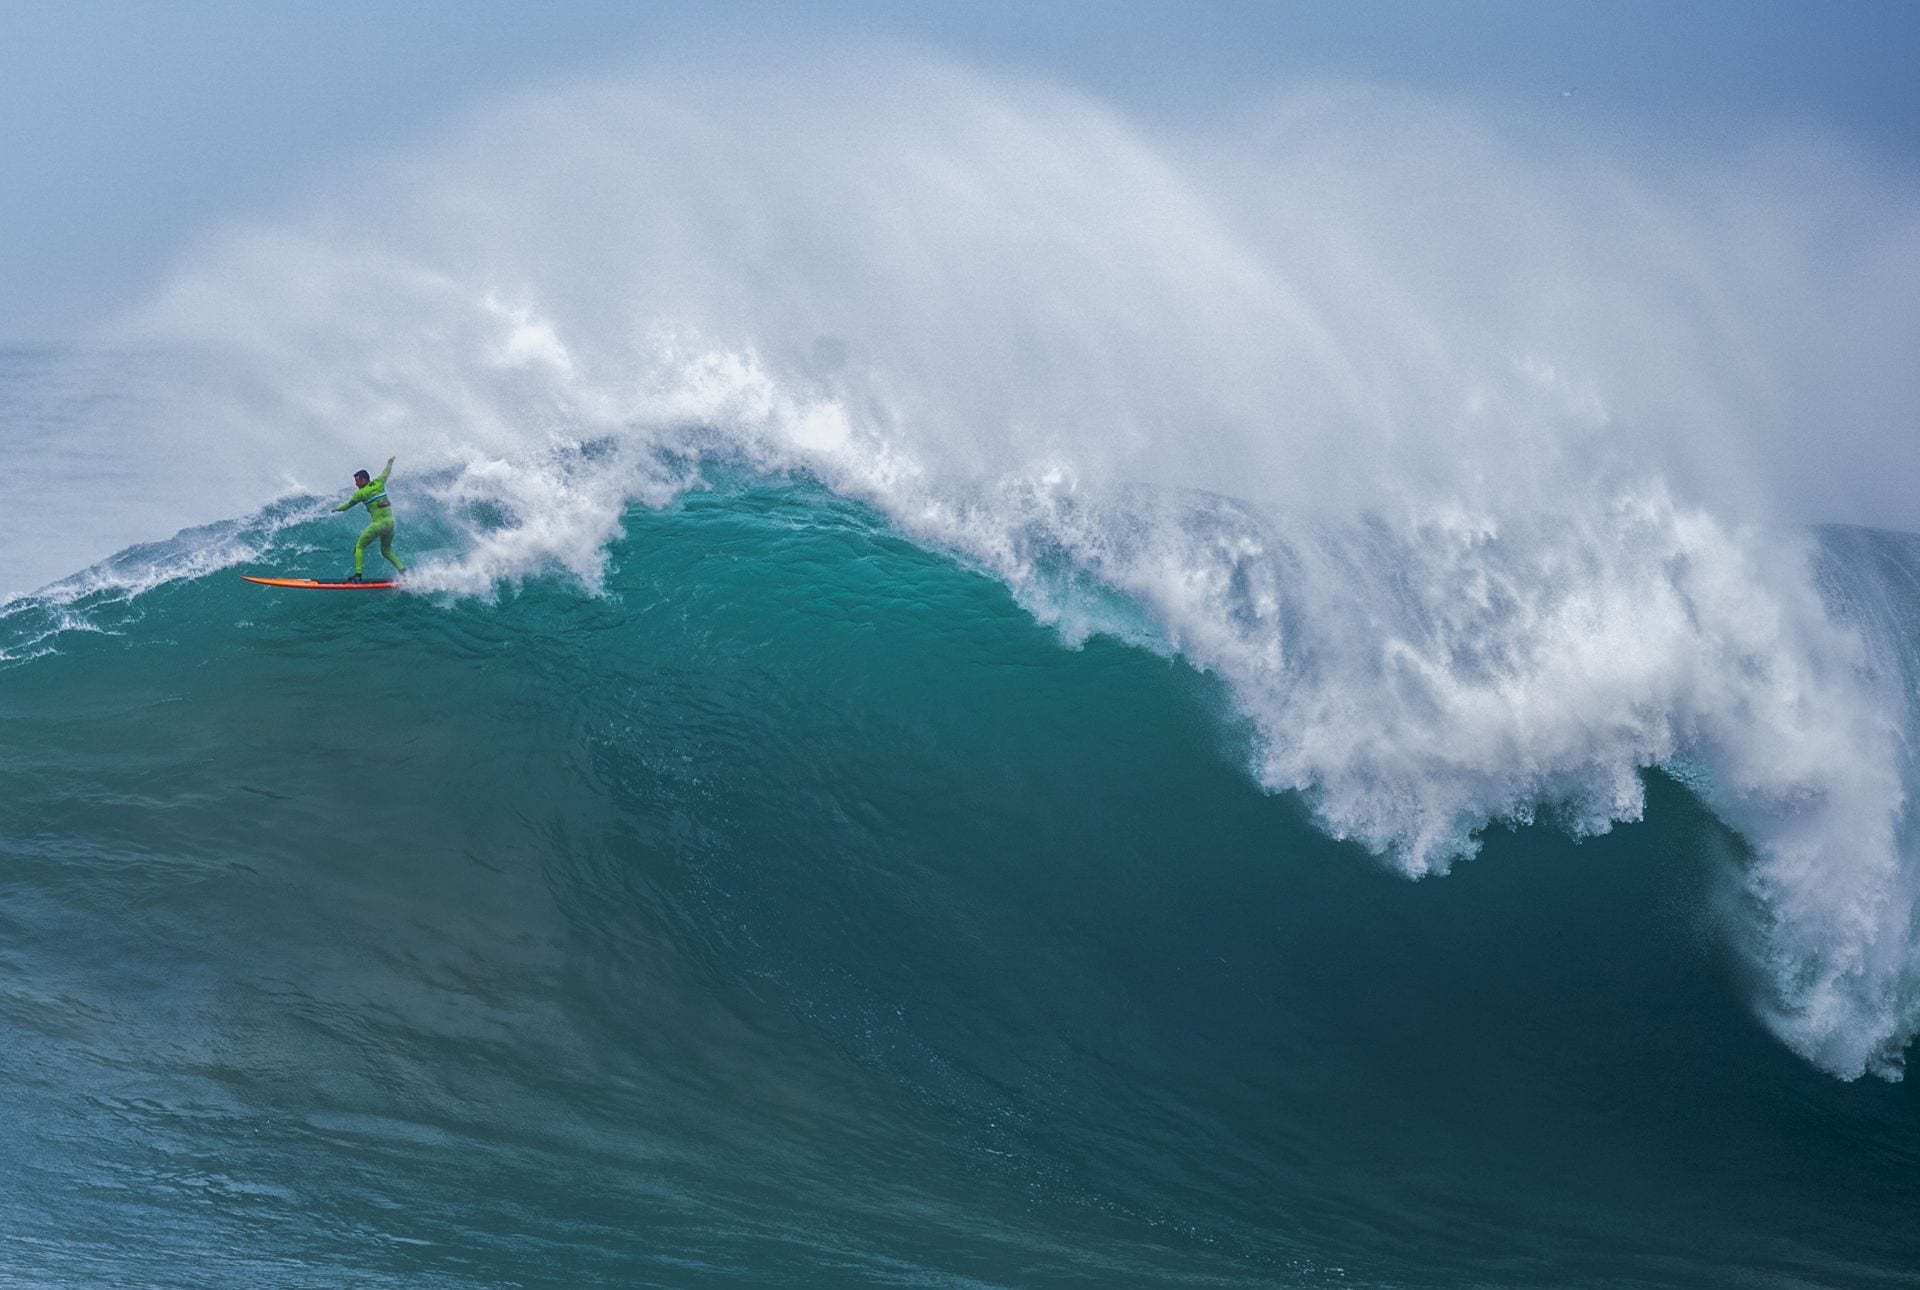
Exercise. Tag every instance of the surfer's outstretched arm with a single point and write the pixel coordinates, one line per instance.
(386, 472)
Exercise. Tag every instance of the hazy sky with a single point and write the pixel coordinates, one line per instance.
(128, 128)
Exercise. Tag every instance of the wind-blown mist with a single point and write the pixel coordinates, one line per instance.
(1466, 453)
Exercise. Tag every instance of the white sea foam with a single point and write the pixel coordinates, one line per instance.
(1460, 452)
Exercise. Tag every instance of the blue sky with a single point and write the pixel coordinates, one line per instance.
(131, 127)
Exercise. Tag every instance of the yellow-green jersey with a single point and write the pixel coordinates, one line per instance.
(374, 496)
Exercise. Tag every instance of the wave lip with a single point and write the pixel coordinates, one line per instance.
(1418, 683)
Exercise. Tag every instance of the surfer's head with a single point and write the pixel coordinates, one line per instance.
(361, 477)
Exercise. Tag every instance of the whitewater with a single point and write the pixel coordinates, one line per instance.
(1406, 479)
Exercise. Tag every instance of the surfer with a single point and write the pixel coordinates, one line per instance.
(372, 494)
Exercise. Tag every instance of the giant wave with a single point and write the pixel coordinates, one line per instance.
(1459, 470)
(1467, 457)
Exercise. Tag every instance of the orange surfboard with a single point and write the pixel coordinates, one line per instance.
(308, 584)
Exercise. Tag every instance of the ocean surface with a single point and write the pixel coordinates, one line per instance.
(796, 910)
(987, 694)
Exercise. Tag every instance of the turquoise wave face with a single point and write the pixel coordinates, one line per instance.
(798, 910)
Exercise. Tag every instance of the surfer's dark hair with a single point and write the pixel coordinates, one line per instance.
(361, 474)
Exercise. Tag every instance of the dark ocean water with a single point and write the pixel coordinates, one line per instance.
(797, 911)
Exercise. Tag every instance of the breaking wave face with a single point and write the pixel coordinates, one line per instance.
(1471, 460)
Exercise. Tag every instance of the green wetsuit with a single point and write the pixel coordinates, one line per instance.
(374, 497)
